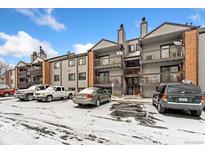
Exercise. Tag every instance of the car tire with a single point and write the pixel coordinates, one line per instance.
(160, 108)
(196, 113)
(70, 96)
(6, 94)
(29, 97)
(153, 102)
(97, 103)
(49, 98)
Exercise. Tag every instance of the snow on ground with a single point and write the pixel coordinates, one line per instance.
(63, 122)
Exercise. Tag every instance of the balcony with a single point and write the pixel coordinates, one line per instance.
(157, 78)
(108, 81)
(23, 85)
(173, 53)
(36, 72)
(108, 62)
(24, 73)
(132, 72)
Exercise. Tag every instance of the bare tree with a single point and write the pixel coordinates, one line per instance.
(4, 67)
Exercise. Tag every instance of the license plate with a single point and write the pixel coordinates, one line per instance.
(183, 99)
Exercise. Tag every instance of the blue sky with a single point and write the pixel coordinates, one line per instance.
(62, 30)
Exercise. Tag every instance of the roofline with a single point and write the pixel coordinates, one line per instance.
(66, 56)
(104, 40)
(170, 23)
(132, 39)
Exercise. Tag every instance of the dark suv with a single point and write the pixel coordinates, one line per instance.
(179, 96)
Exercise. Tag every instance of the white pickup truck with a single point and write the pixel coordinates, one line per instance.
(53, 93)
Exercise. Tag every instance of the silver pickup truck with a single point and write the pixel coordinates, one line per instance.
(27, 94)
(53, 93)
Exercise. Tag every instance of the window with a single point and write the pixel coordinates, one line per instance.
(41, 88)
(104, 77)
(56, 78)
(82, 76)
(170, 74)
(71, 62)
(149, 57)
(164, 51)
(71, 77)
(137, 47)
(58, 89)
(56, 65)
(104, 60)
(63, 89)
(82, 61)
(131, 48)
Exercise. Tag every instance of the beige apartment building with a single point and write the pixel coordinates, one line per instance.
(169, 53)
(70, 71)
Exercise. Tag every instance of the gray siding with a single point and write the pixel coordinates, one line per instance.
(202, 61)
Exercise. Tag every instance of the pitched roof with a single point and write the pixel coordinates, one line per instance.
(169, 23)
(106, 40)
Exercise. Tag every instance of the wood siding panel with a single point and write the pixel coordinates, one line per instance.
(46, 72)
(91, 59)
(191, 45)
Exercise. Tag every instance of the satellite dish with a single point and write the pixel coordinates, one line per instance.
(177, 43)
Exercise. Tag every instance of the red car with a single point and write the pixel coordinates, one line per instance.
(5, 90)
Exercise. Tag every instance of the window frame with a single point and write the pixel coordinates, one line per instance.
(81, 76)
(82, 58)
(130, 47)
(70, 61)
(54, 65)
(70, 75)
(54, 79)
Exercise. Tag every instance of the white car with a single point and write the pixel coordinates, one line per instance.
(53, 93)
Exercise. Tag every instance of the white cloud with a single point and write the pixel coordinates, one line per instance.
(22, 44)
(43, 17)
(82, 48)
(195, 17)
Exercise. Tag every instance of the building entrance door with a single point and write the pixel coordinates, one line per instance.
(133, 87)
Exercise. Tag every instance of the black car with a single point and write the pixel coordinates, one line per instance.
(179, 96)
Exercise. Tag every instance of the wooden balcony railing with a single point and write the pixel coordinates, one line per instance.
(108, 61)
(173, 53)
(156, 78)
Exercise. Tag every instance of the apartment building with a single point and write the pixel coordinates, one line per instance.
(105, 66)
(70, 71)
(28, 74)
(8, 78)
(163, 55)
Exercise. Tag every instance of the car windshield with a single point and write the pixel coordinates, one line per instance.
(32, 88)
(183, 89)
(87, 91)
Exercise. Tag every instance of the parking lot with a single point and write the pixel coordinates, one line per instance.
(63, 122)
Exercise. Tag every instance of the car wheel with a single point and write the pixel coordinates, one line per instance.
(6, 94)
(70, 96)
(49, 98)
(196, 113)
(153, 102)
(160, 108)
(97, 103)
(29, 97)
